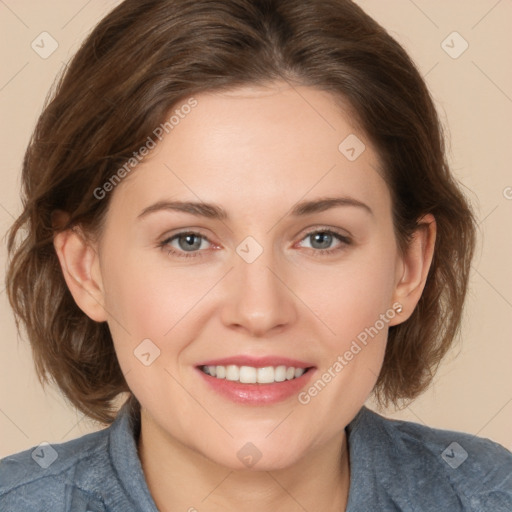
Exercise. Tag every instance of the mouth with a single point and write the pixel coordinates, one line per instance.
(256, 381)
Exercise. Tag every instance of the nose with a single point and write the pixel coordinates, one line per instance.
(258, 298)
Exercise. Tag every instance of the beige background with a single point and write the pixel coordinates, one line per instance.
(473, 389)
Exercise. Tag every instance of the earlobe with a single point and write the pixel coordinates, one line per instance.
(80, 266)
(415, 265)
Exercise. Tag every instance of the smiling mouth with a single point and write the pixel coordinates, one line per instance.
(253, 375)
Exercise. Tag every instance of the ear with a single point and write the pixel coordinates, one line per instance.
(80, 265)
(413, 268)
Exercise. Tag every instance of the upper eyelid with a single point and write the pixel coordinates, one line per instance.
(166, 237)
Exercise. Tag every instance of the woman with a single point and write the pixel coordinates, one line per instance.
(241, 215)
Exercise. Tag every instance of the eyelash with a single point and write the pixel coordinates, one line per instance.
(193, 254)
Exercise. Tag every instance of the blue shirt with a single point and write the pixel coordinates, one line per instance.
(395, 466)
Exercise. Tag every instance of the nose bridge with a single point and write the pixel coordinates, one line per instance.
(257, 298)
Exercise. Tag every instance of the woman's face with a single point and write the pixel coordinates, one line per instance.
(292, 262)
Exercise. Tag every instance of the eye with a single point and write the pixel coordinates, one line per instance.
(322, 241)
(189, 244)
(185, 242)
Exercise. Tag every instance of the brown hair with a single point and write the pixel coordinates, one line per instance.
(145, 57)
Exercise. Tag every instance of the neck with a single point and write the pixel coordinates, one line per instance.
(180, 478)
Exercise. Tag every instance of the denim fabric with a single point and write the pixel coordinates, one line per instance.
(395, 466)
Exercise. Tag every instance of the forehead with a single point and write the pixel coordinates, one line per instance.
(254, 146)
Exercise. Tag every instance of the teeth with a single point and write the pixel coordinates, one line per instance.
(280, 374)
(248, 375)
(252, 375)
(232, 372)
(266, 375)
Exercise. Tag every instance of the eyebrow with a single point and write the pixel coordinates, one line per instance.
(213, 211)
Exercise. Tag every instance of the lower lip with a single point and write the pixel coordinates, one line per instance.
(257, 394)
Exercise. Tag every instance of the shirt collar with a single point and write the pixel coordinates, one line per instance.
(124, 435)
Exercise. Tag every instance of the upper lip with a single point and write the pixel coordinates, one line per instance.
(256, 362)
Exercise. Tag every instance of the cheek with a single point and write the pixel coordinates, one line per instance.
(354, 302)
(146, 299)
(351, 296)
(139, 293)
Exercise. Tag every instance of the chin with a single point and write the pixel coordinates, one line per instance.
(257, 456)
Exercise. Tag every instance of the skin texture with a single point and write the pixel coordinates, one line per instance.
(256, 152)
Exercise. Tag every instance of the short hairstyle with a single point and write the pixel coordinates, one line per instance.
(146, 57)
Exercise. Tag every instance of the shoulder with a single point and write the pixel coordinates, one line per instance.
(46, 473)
(475, 470)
